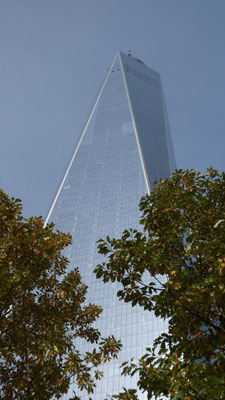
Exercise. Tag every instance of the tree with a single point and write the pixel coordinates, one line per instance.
(42, 312)
(182, 249)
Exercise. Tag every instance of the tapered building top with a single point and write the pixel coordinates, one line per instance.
(123, 148)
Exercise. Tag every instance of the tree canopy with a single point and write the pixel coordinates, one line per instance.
(42, 312)
(176, 268)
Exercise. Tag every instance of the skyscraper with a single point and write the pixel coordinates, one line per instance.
(124, 147)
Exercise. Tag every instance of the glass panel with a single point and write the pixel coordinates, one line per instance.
(145, 92)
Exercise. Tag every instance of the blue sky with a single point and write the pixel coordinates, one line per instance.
(54, 55)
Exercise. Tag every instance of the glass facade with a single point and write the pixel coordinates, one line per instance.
(123, 148)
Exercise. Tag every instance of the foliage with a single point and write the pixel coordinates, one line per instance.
(42, 312)
(176, 268)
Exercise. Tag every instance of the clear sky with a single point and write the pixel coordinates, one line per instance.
(54, 55)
